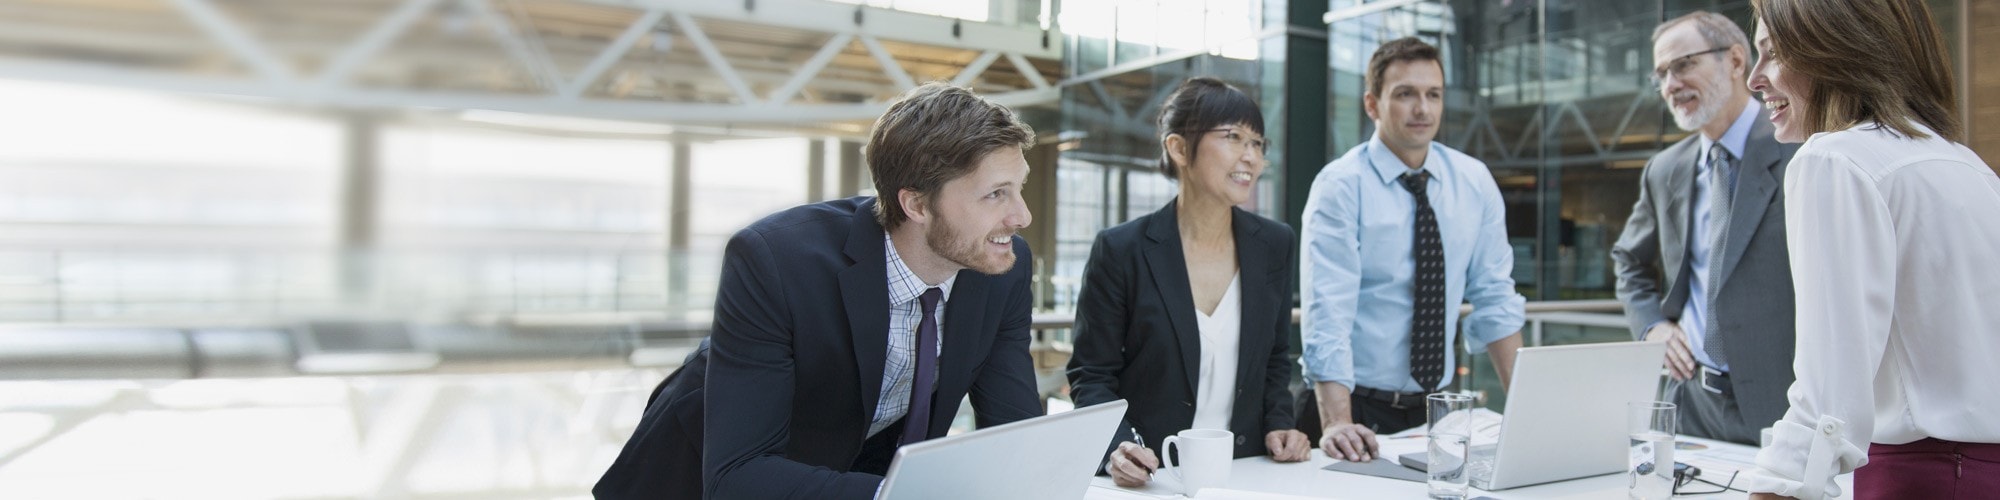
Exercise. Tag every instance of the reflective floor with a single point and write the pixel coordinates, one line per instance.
(508, 435)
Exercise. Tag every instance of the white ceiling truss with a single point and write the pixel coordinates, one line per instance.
(748, 63)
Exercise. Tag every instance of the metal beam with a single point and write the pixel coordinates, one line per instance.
(1110, 103)
(811, 68)
(714, 58)
(539, 67)
(1364, 9)
(889, 65)
(975, 68)
(1028, 71)
(612, 53)
(247, 49)
(1164, 57)
(887, 24)
(369, 98)
(374, 41)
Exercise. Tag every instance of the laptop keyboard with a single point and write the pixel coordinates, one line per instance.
(1480, 469)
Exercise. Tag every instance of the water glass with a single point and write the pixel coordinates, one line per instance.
(1450, 436)
(1650, 464)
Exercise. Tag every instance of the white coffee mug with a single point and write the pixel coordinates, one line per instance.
(1205, 457)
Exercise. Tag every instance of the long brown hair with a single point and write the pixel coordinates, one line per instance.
(1879, 61)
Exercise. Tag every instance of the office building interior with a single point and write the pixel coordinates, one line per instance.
(447, 248)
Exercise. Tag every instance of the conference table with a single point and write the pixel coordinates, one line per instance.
(1259, 478)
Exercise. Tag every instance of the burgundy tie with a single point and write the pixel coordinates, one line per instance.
(916, 425)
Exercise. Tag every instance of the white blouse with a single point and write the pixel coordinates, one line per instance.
(1215, 387)
(1895, 254)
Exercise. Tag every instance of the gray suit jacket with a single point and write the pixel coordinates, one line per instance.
(1754, 304)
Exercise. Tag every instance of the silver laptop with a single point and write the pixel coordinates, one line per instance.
(1565, 415)
(1043, 457)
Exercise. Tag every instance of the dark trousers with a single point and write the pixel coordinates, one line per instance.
(1382, 417)
(1929, 468)
(1707, 413)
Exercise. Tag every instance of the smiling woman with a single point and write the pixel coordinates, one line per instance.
(1891, 224)
(1193, 300)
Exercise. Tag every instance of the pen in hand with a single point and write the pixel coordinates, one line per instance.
(1141, 441)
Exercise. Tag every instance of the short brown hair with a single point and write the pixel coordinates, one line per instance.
(1407, 48)
(1879, 61)
(933, 134)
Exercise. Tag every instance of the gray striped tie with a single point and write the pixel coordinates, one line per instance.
(1721, 169)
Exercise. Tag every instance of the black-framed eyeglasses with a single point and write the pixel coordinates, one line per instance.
(1678, 66)
(1239, 139)
(1684, 483)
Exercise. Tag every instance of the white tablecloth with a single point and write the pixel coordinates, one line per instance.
(1259, 478)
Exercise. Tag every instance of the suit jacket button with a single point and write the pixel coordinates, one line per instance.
(1239, 440)
(1189, 404)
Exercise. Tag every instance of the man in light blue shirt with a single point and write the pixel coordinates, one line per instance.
(1398, 232)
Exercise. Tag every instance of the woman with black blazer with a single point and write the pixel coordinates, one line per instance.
(1185, 313)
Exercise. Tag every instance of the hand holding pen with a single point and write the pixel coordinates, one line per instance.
(1132, 464)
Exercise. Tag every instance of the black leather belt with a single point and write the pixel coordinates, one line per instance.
(1397, 400)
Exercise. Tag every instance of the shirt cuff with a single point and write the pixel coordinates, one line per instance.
(1802, 461)
(1649, 329)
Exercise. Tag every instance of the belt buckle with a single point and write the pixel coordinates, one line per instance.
(1705, 385)
(1396, 401)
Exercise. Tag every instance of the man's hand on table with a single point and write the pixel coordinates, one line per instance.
(1350, 442)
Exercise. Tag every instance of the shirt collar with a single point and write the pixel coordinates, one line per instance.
(1738, 134)
(1391, 169)
(904, 285)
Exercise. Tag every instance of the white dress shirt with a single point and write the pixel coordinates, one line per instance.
(1893, 245)
(1221, 332)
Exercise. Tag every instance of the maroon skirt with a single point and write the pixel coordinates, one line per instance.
(1929, 468)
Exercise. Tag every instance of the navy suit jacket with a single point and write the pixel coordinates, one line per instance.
(777, 402)
(1137, 340)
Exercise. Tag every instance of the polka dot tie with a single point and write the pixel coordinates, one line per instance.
(1427, 348)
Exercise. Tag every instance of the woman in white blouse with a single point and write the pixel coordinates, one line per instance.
(1894, 232)
(1186, 313)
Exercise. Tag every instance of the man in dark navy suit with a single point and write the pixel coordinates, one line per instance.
(848, 328)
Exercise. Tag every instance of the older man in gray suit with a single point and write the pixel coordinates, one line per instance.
(1711, 217)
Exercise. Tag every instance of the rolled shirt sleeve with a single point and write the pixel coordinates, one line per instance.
(1843, 256)
(1497, 310)
(1330, 287)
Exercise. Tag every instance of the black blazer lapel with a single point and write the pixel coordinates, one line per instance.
(1168, 265)
(1755, 187)
(965, 333)
(1257, 269)
(864, 291)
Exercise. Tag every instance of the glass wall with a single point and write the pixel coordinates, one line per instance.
(213, 208)
(1108, 165)
(1553, 97)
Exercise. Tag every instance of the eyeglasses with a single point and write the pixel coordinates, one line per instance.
(1686, 479)
(1239, 140)
(1678, 66)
